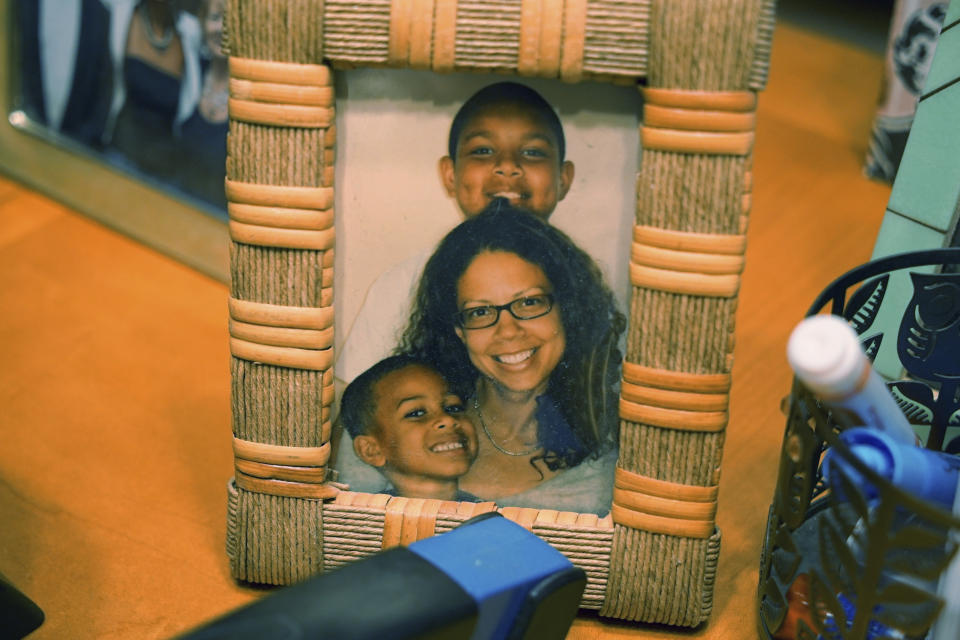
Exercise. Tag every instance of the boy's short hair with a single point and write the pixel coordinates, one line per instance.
(506, 93)
(357, 406)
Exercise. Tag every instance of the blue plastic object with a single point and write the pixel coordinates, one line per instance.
(505, 561)
(930, 475)
(488, 579)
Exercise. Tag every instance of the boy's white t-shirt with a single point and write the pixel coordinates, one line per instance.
(379, 324)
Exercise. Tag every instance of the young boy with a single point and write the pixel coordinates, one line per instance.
(405, 421)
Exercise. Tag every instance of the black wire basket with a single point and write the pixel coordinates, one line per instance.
(841, 564)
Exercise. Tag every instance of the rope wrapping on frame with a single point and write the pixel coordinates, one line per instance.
(657, 506)
(703, 122)
(423, 34)
(292, 472)
(281, 94)
(360, 524)
(685, 262)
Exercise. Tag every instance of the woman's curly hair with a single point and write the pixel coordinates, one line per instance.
(584, 383)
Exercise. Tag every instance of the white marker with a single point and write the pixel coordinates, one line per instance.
(826, 355)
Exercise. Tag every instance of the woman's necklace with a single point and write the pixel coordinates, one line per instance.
(476, 405)
(160, 43)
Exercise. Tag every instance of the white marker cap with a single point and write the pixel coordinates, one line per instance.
(826, 355)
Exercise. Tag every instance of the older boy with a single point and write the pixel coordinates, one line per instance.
(405, 421)
(506, 142)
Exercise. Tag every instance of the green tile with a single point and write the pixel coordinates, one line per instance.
(945, 67)
(926, 190)
(927, 186)
(898, 234)
(953, 12)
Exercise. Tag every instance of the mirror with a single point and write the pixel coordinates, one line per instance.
(140, 85)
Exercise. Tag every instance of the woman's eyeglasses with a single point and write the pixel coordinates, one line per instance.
(525, 308)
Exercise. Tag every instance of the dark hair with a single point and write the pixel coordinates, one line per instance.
(583, 384)
(357, 405)
(506, 93)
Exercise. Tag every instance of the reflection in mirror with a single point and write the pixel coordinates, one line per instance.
(568, 157)
(141, 84)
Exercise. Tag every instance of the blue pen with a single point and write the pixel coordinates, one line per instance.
(926, 474)
(876, 630)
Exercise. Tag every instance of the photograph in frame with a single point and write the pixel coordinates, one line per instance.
(395, 211)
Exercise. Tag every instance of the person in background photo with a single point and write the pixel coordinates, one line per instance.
(65, 66)
(138, 81)
(156, 55)
(203, 135)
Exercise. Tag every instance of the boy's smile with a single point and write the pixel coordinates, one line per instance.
(506, 151)
(421, 426)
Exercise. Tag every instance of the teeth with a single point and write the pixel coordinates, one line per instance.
(448, 446)
(514, 358)
(509, 195)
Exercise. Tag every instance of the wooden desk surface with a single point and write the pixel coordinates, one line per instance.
(114, 384)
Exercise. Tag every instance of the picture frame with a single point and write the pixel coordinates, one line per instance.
(699, 65)
(71, 173)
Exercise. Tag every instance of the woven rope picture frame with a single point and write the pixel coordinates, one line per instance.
(699, 65)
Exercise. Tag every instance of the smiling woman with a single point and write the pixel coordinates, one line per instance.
(520, 322)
